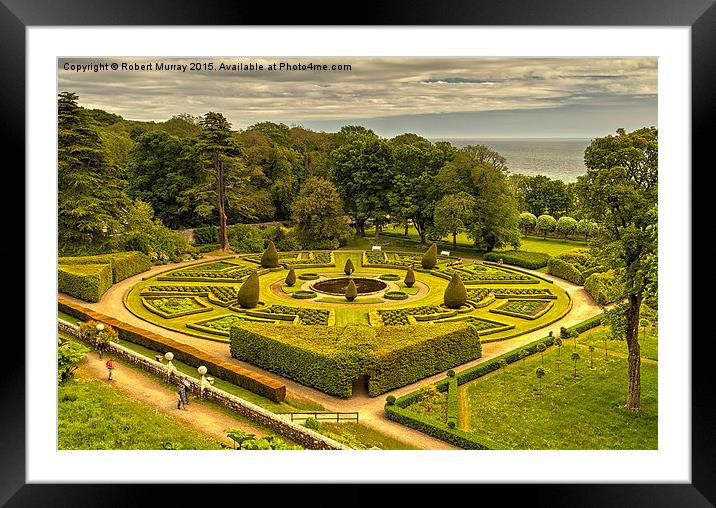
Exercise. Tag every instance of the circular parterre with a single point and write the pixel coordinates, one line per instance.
(389, 335)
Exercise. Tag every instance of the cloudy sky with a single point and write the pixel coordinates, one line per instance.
(433, 97)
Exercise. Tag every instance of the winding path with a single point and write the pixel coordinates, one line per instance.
(370, 408)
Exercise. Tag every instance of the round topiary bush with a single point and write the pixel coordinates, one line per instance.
(303, 294)
(451, 424)
(455, 293)
(409, 277)
(351, 291)
(390, 399)
(291, 277)
(309, 276)
(450, 373)
(395, 295)
(269, 259)
(389, 276)
(248, 296)
(349, 268)
(430, 258)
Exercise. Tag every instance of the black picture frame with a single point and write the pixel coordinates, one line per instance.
(700, 15)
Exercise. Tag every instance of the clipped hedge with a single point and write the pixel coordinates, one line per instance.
(603, 287)
(453, 406)
(523, 258)
(395, 295)
(87, 282)
(206, 235)
(406, 357)
(252, 381)
(565, 270)
(123, 264)
(312, 355)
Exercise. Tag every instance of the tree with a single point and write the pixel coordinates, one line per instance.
(544, 195)
(620, 188)
(351, 291)
(567, 226)
(248, 296)
(291, 277)
(455, 293)
(362, 168)
(68, 355)
(220, 158)
(453, 213)
(90, 191)
(540, 372)
(482, 173)
(409, 277)
(269, 259)
(575, 356)
(430, 258)
(349, 268)
(541, 348)
(546, 224)
(587, 228)
(318, 213)
(527, 221)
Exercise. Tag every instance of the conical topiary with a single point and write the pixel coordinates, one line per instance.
(455, 293)
(269, 259)
(291, 277)
(409, 277)
(351, 291)
(248, 296)
(349, 268)
(430, 259)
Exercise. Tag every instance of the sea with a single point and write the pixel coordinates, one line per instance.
(556, 158)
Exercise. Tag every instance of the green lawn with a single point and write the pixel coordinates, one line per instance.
(361, 437)
(583, 413)
(551, 246)
(94, 416)
(648, 342)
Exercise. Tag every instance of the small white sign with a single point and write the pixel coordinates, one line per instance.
(377, 247)
(444, 252)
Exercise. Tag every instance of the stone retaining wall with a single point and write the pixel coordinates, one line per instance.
(301, 435)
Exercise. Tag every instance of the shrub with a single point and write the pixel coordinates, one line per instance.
(248, 296)
(303, 294)
(269, 259)
(312, 423)
(123, 264)
(395, 295)
(389, 276)
(409, 277)
(567, 225)
(86, 282)
(527, 221)
(309, 276)
(455, 293)
(565, 270)
(206, 235)
(603, 287)
(349, 268)
(453, 407)
(291, 277)
(546, 224)
(430, 259)
(525, 259)
(390, 399)
(351, 291)
(450, 373)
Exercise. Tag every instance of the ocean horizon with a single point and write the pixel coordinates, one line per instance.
(558, 158)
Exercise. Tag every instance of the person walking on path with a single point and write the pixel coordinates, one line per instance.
(181, 396)
(110, 367)
(187, 387)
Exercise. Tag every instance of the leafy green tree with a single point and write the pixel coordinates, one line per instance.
(587, 228)
(453, 213)
(145, 233)
(527, 221)
(482, 173)
(90, 198)
(620, 188)
(161, 170)
(567, 226)
(540, 372)
(220, 158)
(541, 348)
(362, 169)
(546, 224)
(318, 214)
(575, 356)
(68, 355)
(544, 195)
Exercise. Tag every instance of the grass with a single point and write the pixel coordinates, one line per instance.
(70, 319)
(648, 342)
(551, 246)
(94, 416)
(585, 412)
(360, 436)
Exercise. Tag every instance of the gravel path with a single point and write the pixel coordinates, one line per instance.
(370, 408)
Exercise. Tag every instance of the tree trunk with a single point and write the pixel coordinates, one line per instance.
(632, 338)
(421, 231)
(454, 238)
(221, 205)
(377, 231)
(406, 227)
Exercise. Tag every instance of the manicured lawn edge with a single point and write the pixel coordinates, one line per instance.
(439, 430)
(203, 308)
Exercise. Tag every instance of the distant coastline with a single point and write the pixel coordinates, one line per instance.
(559, 158)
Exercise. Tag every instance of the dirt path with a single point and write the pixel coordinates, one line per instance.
(146, 390)
(371, 409)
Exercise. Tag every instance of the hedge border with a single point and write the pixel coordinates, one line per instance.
(203, 307)
(88, 282)
(250, 380)
(541, 313)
